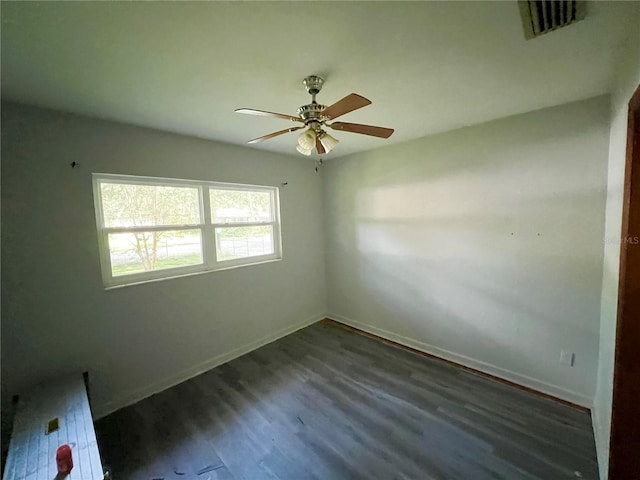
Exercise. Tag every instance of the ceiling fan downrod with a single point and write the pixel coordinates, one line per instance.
(311, 113)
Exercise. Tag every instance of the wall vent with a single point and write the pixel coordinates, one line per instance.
(542, 16)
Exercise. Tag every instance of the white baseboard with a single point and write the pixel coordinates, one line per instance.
(602, 450)
(494, 370)
(105, 409)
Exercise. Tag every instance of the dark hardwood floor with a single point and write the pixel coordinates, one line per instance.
(326, 403)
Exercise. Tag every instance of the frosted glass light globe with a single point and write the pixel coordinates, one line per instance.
(307, 139)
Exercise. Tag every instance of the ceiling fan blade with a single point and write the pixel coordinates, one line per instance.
(363, 129)
(274, 134)
(319, 147)
(348, 104)
(262, 113)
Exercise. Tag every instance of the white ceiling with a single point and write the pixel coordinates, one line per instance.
(184, 67)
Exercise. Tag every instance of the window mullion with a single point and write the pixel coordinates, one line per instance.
(105, 252)
(208, 232)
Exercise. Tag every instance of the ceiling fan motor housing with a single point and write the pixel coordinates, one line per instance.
(311, 113)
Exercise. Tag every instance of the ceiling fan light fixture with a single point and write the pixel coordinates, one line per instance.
(328, 142)
(307, 139)
(303, 150)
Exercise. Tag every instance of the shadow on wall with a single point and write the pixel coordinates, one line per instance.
(485, 242)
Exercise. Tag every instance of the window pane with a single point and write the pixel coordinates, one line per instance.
(127, 205)
(148, 251)
(240, 206)
(241, 242)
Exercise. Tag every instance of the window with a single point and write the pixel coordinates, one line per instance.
(151, 228)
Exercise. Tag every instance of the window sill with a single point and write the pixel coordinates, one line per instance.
(190, 274)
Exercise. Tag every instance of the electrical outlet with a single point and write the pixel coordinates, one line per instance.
(567, 358)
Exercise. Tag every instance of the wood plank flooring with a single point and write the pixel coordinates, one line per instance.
(326, 403)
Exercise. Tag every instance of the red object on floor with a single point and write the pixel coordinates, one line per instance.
(64, 459)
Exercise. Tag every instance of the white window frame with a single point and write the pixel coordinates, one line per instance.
(206, 227)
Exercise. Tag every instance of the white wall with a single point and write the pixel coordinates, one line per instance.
(56, 315)
(482, 245)
(419, 248)
(627, 80)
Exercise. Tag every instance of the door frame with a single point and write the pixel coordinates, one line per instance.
(624, 447)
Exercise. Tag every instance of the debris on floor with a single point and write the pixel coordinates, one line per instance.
(210, 468)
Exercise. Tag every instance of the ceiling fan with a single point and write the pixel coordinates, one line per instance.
(315, 117)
